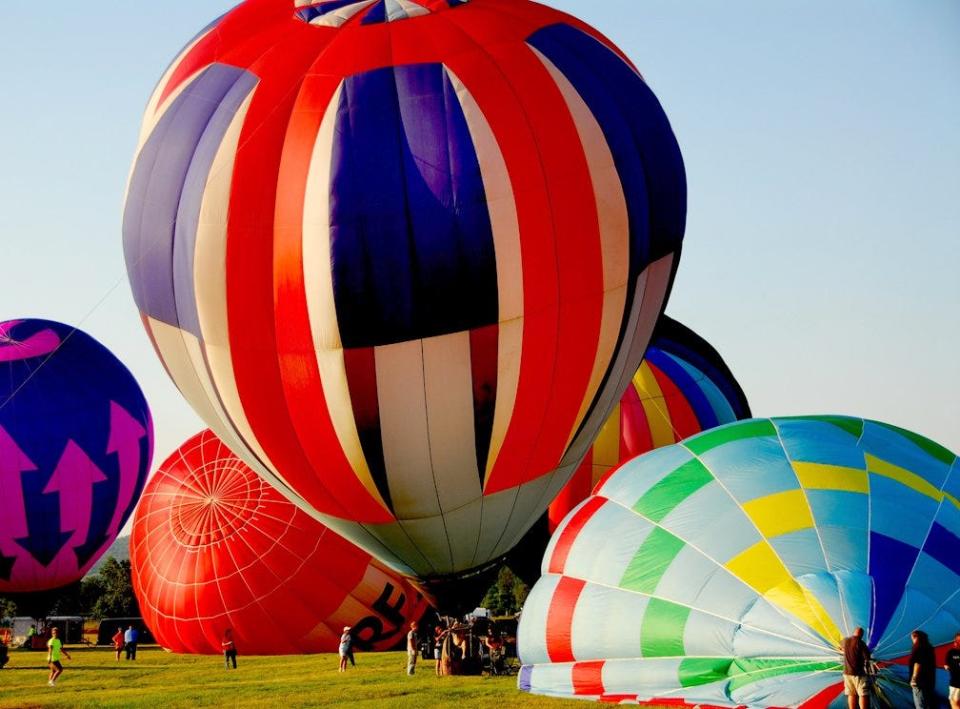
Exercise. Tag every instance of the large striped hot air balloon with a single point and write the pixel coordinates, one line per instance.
(76, 440)
(215, 547)
(404, 257)
(725, 570)
(682, 387)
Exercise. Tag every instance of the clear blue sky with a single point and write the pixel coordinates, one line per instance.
(823, 156)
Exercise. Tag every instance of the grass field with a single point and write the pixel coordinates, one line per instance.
(93, 678)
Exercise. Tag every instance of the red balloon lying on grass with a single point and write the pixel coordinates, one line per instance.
(215, 547)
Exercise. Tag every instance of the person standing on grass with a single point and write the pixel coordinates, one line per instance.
(130, 639)
(412, 649)
(118, 642)
(923, 672)
(346, 648)
(229, 649)
(856, 659)
(953, 667)
(54, 652)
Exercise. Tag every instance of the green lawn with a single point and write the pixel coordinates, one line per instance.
(159, 679)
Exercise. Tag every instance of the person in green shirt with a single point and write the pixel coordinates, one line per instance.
(54, 651)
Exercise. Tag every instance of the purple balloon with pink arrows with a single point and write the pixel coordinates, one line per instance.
(76, 440)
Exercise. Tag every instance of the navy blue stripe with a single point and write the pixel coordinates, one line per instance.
(944, 546)
(376, 14)
(682, 342)
(160, 182)
(890, 564)
(411, 241)
(706, 416)
(644, 148)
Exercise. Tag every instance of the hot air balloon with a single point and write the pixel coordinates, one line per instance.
(682, 387)
(215, 547)
(76, 440)
(724, 570)
(404, 257)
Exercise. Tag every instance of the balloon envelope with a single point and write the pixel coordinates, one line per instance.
(403, 257)
(724, 570)
(682, 387)
(215, 547)
(76, 442)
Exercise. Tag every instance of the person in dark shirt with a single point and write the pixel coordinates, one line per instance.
(923, 672)
(856, 660)
(953, 667)
(229, 649)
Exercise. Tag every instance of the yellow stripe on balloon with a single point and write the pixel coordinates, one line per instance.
(760, 568)
(606, 449)
(905, 477)
(781, 513)
(654, 406)
(817, 476)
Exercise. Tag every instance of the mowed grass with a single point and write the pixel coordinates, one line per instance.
(93, 678)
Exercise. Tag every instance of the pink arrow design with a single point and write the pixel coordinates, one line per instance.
(13, 461)
(125, 435)
(74, 478)
(37, 345)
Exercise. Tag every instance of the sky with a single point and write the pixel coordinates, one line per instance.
(822, 153)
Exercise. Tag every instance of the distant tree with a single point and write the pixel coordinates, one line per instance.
(507, 595)
(8, 608)
(113, 591)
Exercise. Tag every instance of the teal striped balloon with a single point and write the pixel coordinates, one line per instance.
(726, 569)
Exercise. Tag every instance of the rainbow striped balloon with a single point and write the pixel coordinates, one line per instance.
(404, 255)
(725, 570)
(682, 387)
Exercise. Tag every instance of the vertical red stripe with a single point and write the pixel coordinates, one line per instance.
(683, 419)
(484, 346)
(250, 291)
(568, 535)
(635, 436)
(299, 373)
(560, 625)
(588, 677)
(572, 494)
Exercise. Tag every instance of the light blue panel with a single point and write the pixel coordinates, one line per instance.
(751, 468)
(532, 632)
(800, 551)
(899, 512)
(730, 531)
(687, 579)
(708, 636)
(857, 593)
(824, 587)
(552, 679)
(652, 678)
(942, 627)
(765, 616)
(785, 690)
(841, 518)
(727, 596)
(607, 543)
(753, 642)
(606, 623)
(810, 441)
(718, 402)
(629, 483)
(887, 445)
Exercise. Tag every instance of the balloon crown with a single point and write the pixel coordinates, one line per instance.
(216, 503)
(335, 13)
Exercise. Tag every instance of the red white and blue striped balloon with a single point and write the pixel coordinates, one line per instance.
(404, 256)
